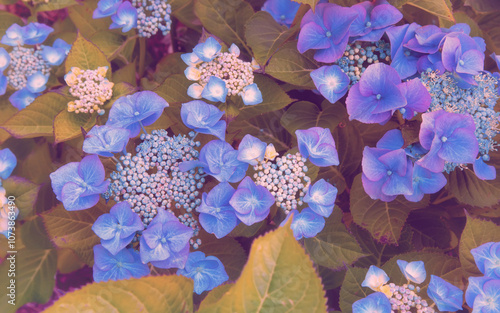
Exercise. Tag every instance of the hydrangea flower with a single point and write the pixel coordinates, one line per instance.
(317, 144)
(462, 55)
(413, 271)
(373, 19)
(125, 17)
(426, 39)
(251, 95)
(251, 150)
(374, 303)
(283, 11)
(446, 296)
(91, 87)
(36, 82)
(56, 54)
(448, 137)
(105, 140)
(489, 299)
(6, 214)
(22, 98)
(375, 278)
(8, 163)
(14, 36)
(31, 34)
(135, 111)
(425, 182)
(124, 265)
(475, 288)
(78, 184)
(215, 90)
(326, 30)
(217, 216)
(204, 118)
(118, 227)
(417, 98)
(321, 198)
(403, 60)
(252, 203)
(331, 82)
(207, 272)
(106, 8)
(208, 50)
(487, 258)
(484, 171)
(305, 224)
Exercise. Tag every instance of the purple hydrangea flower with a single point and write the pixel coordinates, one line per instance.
(375, 278)
(317, 144)
(326, 30)
(133, 111)
(446, 296)
(204, 118)
(251, 202)
(35, 33)
(125, 17)
(283, 11)
(427, 39)
(14, 36)
(331, 82)
(207, 272)
(105, 140)
(374, 17)
(463, 56)
(448, 137)
(8, 163)
(321, 197)
(403, 60)
(376, 96)
(484, 171)
(78, 185)
(251, 150)
(392, 140)
(22, 98)
(425, 182)
(418, 98)
(217, 216)
(106, 8)
(124, 265)
(118, 227)
(375, 302)
(305, 224)
(413, 271)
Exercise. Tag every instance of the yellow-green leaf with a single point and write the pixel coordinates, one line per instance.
(68, 125)
(85, 55)
(351, 290)
(54, 5)
(174, 89)
(81, 15)
(440, 8)
(25, 193)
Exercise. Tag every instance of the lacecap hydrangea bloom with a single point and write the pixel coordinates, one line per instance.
(204, 118)
(105, 140)
(124, 265)
(91, 87)
(218, 74)
(305, 223)
(207, 272)
(317, 145)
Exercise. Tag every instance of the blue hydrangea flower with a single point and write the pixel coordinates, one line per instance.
(14, 36)
(448, 137)
(376, 96)
(8, 163)
(386, 173)
(217, 216)
(165, 242)
(327, 31)
(484, 171)
(418, 98)
(191, 59)
(207, 272)
(133, 111)
(118, 227)
(305, 224)
(78, 184)
(3, 84)
(124, 265)
(218, 159)
(403, 60)
(283, 11)
(427, 39)
(215, 90)
(36, 82)
(489, 299)
(317, 144)
(331, 82)
(251, 150)
(56, 54)
(462, 55)
(373, 19)
(22, 98)
(374, 303)
(105, 140)
(446, 296)
(413, 271)
(425, 182)
(251, 95)
(252, 203)
(487, 257)
(125, 17)
(375, 278)
(207, 50)
(35, 33)
(4, 59)
(475, 288)
(106, 8)
(321, 197)
(204, 118)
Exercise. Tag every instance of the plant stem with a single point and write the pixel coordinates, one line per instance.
(142, 55)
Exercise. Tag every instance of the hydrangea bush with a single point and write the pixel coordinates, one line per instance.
(250, 156)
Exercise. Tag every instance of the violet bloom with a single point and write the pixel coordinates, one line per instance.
(283, 11)
(204, 118)
(462, 55)
(124, 265)
(326, 30)
(446, 296)
(317, 144)
(403, 60)
(374, 17)
(427, 39)
(448, 137)
(251, 202)
(331, 82)
(425, 182)
(251, 150)
(8, 163)
(35, 33)
(206, 272)
(418, 98)
(105, 140)
(305, 224)
(321, 197)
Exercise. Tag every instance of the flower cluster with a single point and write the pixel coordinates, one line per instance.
(219, 74)
(8, 163)
(28, 67)
(405, 298)
(91, 87)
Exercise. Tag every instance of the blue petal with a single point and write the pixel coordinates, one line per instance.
(375, 278)
(208, 50)
(215, 90)
(251, 150)
(125, 17)
(484, 171)
(8, 163)
(392, 140)
(251, 95)
(375, 302)
(22, 98)
(312, 36)
(63, 175)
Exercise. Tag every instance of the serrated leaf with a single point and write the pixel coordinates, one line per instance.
(475, 233)
(6, 112)
(81, 15)
(290, 66)
(440, 8)
(225, 19)
(73, 229)
(68, 125)
(334, 247)
(85, 55)
(371, 133)
(384, 220)
(430, 229)
(214, 295)
(34, 277)
(278, 277)
(183, 11)
(25, 193)
(153, 294)
(125, 74)
(467, 188)
(351, 290)
(36, 120)
(265, 36)
(174, 89)
(54, 5)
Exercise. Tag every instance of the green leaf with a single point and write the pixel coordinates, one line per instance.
(334, 247)
(225, 19)
(169, 65)
(350, 146)
(152, 294)
(108, 42)
(86, 56)
(304, 115)
(37, 118)
(53, 5)
(384, 220)
(351, 290)
(467, 188)
(34, 277)
(462, 17)
(34, 235)
(439, 8)
(279, 276)
(214, 295)
(265, 36)
(371, 133)
(25, 193)
(475, 233)
(483, 6)
(81, 15)
(7, 2)
(290, 66)
(6, 112)
(174, 89)
(73, 229)
(68, 125)
(119, 90)
(125, 74)
(430, 229)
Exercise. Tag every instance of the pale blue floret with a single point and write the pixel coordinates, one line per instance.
(251, 95)
(251, 202)
(125, 17)
(375, 278)
(36, 82)
(305, 224)
(413, 271)
(207, 50)
(22, 98)
(215, 90)
(3, 84)
(373, 303)
(106, 8)
(56, 54)
(13, 36)
(207, 272)
(4, 59)
(8, 162)
(251, 150)
(446, 296)
(321, 198)
(317, 144)
(203, 118)
(124, 265)
(105, 140)
(35, 33)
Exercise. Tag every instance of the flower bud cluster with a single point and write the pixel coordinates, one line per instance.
(91, 87)
(152, 15)
(404, 299)
(25, 62)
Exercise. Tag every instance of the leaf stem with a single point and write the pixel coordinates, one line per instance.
(142, 55)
